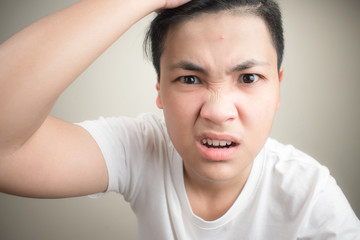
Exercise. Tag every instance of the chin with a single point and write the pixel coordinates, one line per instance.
(219, 175)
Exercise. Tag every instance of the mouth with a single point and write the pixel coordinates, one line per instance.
(217, 147)
(217, 144)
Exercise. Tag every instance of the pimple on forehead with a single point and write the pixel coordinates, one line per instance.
(222, 37)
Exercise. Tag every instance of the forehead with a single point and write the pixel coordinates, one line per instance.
(219, 37)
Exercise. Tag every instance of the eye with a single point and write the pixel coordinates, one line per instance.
(189, 79)
(249, 78)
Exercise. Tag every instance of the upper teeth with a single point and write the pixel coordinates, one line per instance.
(216, 142)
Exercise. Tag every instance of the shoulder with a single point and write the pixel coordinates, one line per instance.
(130, 146)
(140, 128)
(288, 161)
(303, 191)
(292, 177)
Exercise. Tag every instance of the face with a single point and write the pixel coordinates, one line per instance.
(219, 90)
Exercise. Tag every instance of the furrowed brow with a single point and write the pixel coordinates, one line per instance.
(246, 65)
(186, 65)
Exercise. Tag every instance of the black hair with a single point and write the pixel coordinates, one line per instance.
(268, 10)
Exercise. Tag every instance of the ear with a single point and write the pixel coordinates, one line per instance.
(158, 98)
(281, 73)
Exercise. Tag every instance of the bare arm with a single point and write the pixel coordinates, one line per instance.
(41, 156)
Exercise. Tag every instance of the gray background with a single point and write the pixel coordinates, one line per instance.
(320, 111)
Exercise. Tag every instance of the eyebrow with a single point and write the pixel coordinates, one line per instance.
(247, 64)
(187, 65)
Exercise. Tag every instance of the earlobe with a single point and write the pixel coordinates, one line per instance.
(158, 98)
(281, 73)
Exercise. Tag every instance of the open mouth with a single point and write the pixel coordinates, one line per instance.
(217, 147)
(217, 144)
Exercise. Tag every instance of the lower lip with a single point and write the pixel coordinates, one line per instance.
(217, 154)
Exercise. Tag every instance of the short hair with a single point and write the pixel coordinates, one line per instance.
(268, 10)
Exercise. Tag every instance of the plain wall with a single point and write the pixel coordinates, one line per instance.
(319, 113)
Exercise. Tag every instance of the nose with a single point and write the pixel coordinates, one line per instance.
(219, 107)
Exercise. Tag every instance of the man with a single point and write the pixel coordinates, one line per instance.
(212, 172)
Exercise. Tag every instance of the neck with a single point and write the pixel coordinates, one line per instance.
(211, 199)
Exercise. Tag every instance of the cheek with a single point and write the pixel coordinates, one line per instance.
(181, 108)
(180, 113)
(257, 120)
(259, 111)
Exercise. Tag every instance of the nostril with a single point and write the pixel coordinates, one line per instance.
(218, 114)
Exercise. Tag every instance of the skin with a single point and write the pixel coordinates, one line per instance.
(205, 94)
(41, 156)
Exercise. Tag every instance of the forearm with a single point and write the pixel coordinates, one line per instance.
(38, 63)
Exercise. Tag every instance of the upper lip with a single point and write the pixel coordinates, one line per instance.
(218, 136)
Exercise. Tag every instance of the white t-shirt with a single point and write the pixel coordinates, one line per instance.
(288, 195)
